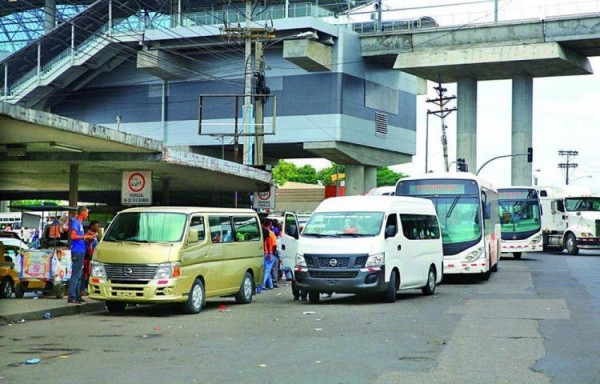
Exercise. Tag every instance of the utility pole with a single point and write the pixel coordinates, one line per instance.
(247, 156)
(441, 101)
(261, 89)
(568, 164)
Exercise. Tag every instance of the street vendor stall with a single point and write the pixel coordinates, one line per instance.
(46, 266)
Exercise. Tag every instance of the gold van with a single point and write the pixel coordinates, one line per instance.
(177, 254)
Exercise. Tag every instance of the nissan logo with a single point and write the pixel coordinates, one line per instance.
(333, 262)
(128, 271)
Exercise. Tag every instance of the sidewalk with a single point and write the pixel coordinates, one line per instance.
(37, 307)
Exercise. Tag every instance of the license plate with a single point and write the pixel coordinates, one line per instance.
(125, 294)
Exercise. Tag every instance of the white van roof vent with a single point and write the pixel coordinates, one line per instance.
(381, 124)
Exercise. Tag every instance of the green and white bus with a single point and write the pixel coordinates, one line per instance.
(520, 220)
(467, 208)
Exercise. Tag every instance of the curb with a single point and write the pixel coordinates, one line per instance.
(54, 312)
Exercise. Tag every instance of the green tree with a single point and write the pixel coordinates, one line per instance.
(283, 171)
(325, 174)
(386, 176)
(305, 174)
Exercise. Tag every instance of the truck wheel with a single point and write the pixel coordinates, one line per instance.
(571, 244)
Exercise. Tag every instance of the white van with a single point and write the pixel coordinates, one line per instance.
(370, 244)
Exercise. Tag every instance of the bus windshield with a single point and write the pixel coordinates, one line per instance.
(147, 227)
(344, 223)
(458, 207)
(519, 215)
(573, 204)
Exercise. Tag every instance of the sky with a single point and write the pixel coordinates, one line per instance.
(566, 111)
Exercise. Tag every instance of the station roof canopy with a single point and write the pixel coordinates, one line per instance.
(37, 150)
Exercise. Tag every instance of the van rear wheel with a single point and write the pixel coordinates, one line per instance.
(196, 298)
(6, 288)
(429, 288)
(244, 295)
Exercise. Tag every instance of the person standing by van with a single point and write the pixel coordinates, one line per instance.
(270, 244)
(78, 238)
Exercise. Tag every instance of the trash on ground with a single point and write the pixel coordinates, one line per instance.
(33, 361)
(309, 312)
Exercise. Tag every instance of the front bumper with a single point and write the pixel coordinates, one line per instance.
(330, 280)
(167, 291)
(452, 267)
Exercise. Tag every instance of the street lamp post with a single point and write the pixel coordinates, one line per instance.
(579, 178)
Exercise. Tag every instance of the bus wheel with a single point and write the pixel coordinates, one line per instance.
(517, 255)
(429, 288)
(571, 244)
(244, 295)
(314, 296)
(392, 288)
(196, 298)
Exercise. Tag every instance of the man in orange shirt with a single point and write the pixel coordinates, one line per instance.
(270, 245)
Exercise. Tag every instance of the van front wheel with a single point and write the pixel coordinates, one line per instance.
(244, 295)
(392, 288)
(196, 298)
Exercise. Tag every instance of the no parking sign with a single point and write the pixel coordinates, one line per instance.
(136, 188)
(264, 199)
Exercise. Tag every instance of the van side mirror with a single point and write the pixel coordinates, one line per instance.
(192, 236)
(293, 231)
(390, 231)
(100, 233)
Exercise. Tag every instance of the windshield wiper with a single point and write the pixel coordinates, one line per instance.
(452, 206)
(318, 234)
(353, 234)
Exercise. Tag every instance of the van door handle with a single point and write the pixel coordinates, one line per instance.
(283, 247)
(399, 247)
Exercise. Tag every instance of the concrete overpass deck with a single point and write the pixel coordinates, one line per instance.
(39, 150)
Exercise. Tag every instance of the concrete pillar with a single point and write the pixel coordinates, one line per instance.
(355, 179)
(49, 15)
(522, 107)
(166, 189)
(370, 178)
(466, 122)
(73, 184)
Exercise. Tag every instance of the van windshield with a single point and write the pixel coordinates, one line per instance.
(147, 227)
(344, 223)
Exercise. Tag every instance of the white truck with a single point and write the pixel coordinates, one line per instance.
(570, 218)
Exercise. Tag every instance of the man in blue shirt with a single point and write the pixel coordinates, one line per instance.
(78, 238)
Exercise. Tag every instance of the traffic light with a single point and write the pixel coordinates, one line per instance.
(530, 155)
(462, 165)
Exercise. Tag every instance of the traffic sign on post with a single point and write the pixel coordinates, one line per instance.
(136, 188)
(264, 200)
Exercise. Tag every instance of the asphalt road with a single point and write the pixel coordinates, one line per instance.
(535, 321)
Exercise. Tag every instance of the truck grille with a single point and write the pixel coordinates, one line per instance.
(335, 261)
(128, 273)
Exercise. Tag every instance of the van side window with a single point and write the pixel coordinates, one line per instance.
(392, 220)
(418, 227)
(221, 230)
(246, 228)
(197, 223)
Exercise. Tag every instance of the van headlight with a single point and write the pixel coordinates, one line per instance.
(375, 260)
(97, 269)
(474, 255)
(168, 270)
(300, 261)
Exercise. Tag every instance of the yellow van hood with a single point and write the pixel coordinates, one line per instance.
(135, 253)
